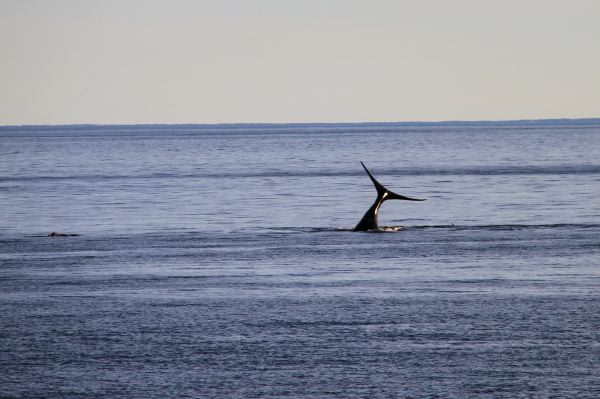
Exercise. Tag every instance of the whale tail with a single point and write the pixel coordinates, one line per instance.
(383, 192)
(369, 220)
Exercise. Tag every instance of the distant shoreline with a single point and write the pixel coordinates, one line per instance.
(534, 122)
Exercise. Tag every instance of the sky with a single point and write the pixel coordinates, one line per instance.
(235, 61)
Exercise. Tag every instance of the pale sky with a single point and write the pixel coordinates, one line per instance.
(229, 61)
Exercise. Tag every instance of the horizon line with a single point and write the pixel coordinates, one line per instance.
(380, 123)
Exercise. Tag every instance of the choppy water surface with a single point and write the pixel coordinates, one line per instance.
(214, 261)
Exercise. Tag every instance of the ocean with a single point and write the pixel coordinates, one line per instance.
(217, 261)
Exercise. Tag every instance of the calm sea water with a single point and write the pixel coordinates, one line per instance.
(212, 262)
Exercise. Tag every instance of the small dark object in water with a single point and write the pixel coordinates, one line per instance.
(55, 234)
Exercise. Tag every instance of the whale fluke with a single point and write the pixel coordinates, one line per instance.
(369, 220)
